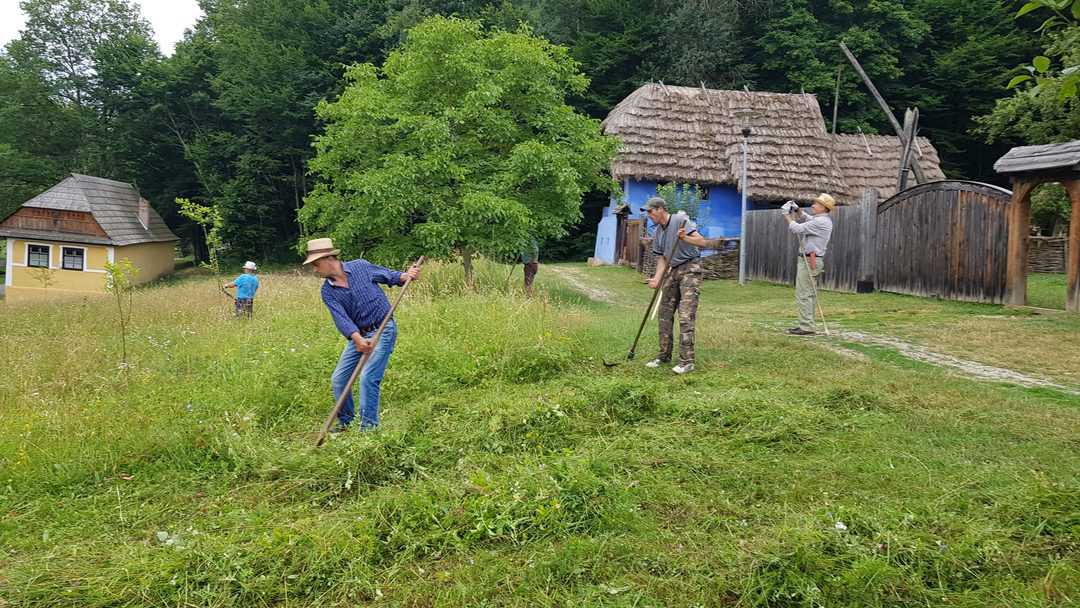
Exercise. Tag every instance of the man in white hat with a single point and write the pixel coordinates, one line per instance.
(813, 230)
(351, 292)
(246, 285)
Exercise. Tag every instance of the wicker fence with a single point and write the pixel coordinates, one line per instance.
(1047, 253)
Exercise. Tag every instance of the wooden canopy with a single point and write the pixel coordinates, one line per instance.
(1027, 167)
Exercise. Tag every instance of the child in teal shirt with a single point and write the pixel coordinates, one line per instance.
(246, 285)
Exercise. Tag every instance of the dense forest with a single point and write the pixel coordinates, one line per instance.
(229, 119)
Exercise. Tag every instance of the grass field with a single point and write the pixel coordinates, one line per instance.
(515, 469)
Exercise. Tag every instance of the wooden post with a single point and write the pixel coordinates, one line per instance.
(1072, 249)
(1019, 223)
(864, 282)
(919, 176)
(907, 140)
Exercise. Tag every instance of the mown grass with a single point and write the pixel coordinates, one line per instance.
(1047, 289)
(514, 468)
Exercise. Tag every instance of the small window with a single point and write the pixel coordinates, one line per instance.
(38, 256)
(74, 258)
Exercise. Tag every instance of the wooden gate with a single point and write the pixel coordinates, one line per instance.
(945, 239)
(630, 253)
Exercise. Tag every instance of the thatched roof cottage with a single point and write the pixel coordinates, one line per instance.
(692, 135)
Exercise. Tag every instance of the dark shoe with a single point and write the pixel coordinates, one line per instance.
(339, 428)
(798, 331)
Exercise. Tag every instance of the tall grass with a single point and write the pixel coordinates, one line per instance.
(513, 468)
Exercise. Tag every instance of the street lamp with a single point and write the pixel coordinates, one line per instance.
(744, 119)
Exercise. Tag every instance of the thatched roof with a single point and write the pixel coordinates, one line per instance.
(671, 133)
(873, 161)
(114, 205)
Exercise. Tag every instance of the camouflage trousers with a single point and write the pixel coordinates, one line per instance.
(680, 293)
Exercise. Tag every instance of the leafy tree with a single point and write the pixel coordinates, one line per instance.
(209, 219)
(120, 281)
(1050, 208)
(1062, 31)
(956, 74)
(611, 39)
(35, 149)
(1048, 111)
(461, 143)
(61, 39)
(681, 197)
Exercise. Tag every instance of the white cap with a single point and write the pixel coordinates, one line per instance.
(249, 265)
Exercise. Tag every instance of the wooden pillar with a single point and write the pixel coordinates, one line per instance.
(1072, 249)
(1019, 227)
(867, 242)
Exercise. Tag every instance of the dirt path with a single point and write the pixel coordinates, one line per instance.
(971, 369)
(580, 282)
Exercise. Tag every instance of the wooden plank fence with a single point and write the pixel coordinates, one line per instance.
(944, 239)
(771, 248)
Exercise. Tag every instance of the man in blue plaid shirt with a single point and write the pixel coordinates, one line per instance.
(351, 292)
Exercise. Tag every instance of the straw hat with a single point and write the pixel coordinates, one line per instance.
(826, 201)
(320, 248)
(249, 265)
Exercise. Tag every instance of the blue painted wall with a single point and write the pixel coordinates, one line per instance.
(718, 214)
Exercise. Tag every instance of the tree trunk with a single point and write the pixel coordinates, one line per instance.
(466, 261)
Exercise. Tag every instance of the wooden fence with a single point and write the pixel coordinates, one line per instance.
(1047, 253)
(771, 248)
(946, 239)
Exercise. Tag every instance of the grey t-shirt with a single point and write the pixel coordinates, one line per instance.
(814, 231)
(666, 240)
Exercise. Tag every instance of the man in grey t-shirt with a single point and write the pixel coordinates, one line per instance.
(813, 231)
(682, 289)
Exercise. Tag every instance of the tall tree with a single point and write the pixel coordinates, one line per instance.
(69, 79)
(461, 143)
(35, 132)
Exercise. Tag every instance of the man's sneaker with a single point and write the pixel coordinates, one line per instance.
(798, 331)
(655, 363)
(339, 428)
(683, 368)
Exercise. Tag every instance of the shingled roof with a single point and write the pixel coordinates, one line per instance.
(114, 206)
(1062, 157)
(691, 134)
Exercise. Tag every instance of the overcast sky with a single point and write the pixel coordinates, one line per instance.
(169, 18)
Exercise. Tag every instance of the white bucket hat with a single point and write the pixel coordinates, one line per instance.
(249, 265)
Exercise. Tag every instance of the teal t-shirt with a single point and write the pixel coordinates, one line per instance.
(246, 286)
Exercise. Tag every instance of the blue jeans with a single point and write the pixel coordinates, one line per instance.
(370, 377)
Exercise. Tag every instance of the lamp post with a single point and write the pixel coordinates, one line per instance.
(743, 118)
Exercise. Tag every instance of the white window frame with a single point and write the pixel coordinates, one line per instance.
(83, 249)
(48, 264)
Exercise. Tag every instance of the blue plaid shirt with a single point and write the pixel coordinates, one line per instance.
(361, 305)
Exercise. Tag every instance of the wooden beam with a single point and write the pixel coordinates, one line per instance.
(907, 140)
(836, 99)
(919, 176)
(1072, 249)
(864, 283)
(1017, 251)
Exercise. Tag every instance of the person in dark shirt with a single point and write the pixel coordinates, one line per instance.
(351, 292)
(676, 245)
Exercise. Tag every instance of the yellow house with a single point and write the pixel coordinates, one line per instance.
(59, 241)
